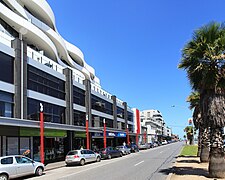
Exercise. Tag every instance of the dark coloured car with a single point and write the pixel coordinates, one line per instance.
(110, 152)
(133, 147)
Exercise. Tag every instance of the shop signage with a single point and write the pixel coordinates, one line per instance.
(121, 134)
(111, 134)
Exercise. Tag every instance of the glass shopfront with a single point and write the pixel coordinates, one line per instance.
(12, 145)
(53, 143)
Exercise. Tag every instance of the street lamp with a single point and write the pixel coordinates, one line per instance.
(42, 133)
(104, 133)
(87, 133)
(128, 138)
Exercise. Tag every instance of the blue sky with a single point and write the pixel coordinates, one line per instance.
(135, 47)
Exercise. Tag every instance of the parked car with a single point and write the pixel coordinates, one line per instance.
(110, 152)
(124, 149)
(133, 147)
(150, 145)
(164, 142)
(143, 146)
(16, 166)
(81, 157)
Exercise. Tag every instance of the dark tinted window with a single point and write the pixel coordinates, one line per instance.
(8, 160)
(72, 153)
(101, 105)
(52, 113)
(7, 65)
(79, 118)
(6, 104)
(78, 96)
(45, 83)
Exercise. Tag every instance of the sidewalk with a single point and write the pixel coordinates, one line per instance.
(189, 168)
(55, 165)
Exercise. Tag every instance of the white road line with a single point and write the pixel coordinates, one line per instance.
(138, 163)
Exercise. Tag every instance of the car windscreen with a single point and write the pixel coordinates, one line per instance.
(72, 153)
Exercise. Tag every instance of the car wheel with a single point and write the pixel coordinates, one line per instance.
(39, 171)
(109, 156)
(121, 154)
(98, 159)
(82, 162)
(3, 177)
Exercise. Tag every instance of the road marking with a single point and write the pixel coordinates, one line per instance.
(138, 163)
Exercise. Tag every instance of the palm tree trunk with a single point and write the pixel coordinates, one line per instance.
(204, 155)
(216, 158)
(199, 141)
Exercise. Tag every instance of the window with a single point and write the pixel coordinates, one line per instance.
(12, 145)
(45, 83)
(22, 160)
(78, 96)
(7, 65)
(120, 112)
(52, 113)
(24, 144)
(6, 104)
(8, 160)
(79, 118)
(101, 105)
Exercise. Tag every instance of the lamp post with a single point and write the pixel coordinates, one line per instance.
(42, 158)
(104, 133)
(87, 133)
(128, 138)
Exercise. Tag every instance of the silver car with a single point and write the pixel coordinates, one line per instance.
(125, 150)
(81, 157)
(16, 166)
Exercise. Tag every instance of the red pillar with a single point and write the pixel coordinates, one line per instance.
(128, 138)
(104, 133)
(87, 133)
(136, 138)
(145, 136)
(42, 155)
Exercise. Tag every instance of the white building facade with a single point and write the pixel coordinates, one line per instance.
(156, 126)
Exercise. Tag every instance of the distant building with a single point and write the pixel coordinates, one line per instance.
(156, 127)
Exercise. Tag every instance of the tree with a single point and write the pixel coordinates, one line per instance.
(189, 134)
(203, 136)
(203, 59)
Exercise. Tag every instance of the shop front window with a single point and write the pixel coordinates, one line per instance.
(24, 145)
(12, 145)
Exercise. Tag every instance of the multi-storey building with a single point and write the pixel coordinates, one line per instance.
(38, 66)
(156, 127)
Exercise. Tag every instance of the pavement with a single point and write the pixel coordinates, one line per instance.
(54, 165)
(189, 168)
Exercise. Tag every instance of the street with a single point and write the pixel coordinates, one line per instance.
(146, 164)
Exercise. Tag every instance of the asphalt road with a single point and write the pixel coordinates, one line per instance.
(144, 165)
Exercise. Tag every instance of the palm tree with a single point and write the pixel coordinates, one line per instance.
(203, 59)
(203, 135)
(189, 134)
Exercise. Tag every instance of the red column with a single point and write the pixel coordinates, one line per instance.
(42, 155)
(104, 133)
(145, 136)
(136, 138)
(128, 138)
(87, 133)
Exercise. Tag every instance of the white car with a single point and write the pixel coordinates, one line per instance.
(164, 142)
(81, 157)
(17, 165)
